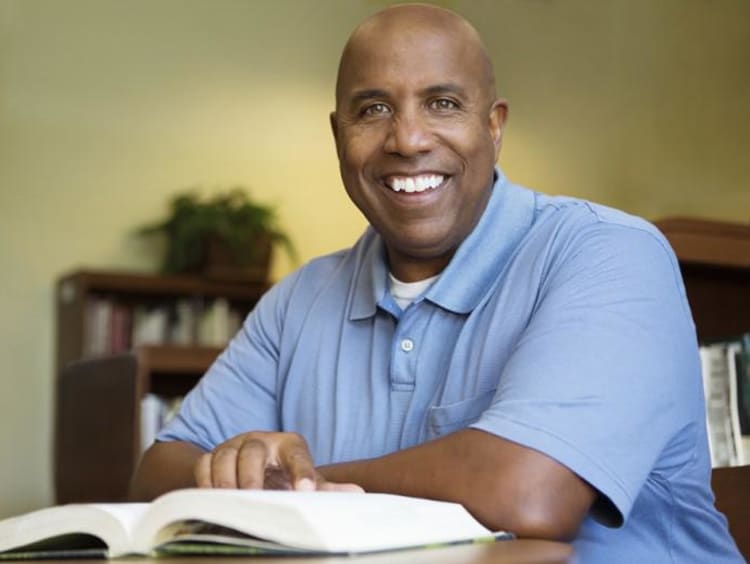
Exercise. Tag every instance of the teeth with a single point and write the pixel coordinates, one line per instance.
(416, 183)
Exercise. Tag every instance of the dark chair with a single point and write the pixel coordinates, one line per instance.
(97, 429)
(732, 490)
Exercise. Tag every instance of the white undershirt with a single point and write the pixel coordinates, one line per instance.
(404, 293)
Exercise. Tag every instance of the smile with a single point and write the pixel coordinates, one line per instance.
(418, 183)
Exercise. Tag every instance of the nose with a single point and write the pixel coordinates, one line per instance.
(408, 135)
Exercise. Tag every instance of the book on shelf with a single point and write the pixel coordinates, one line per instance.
(217, 323)
(112, 327)
(742, 362)
(213, 324)
(150, 325)
(119, 328)
(725, 384)
(156, 411)
(97, 332)
(182, 326)
(215, 521)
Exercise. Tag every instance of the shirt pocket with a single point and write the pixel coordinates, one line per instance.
(445, 419)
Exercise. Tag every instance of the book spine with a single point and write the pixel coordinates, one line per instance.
(156, 411)
(723, 403)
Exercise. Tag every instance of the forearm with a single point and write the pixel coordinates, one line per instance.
(504, 485)
(164, 467)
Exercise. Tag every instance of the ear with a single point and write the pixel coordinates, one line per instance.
(498, 116)
(334, 127)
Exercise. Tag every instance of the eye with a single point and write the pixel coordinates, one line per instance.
(375, 109)
(443, 104)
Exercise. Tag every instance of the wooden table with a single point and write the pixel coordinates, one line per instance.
(503, 552)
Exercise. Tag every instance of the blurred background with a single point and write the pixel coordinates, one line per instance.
(108, 108)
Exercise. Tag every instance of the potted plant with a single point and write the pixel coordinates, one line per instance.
(225, 236)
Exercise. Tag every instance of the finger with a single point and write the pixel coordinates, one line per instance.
(202, 471)
(252, 460)
(295, 459)
(224, 467)
(334, 487)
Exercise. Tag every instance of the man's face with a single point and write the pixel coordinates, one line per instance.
(417, 132)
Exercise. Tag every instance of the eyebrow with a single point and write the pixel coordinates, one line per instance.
(447, 88)
(372, 93)
(368, 94)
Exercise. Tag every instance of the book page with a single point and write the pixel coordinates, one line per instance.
(67, 527)
(316, 521)
(188, 537)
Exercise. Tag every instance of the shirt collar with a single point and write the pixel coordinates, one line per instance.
(484, 253)
(370, 282)
(472, 270)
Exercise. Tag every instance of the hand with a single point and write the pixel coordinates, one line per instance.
(263, 460)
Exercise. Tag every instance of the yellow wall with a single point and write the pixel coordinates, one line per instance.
(109, 107)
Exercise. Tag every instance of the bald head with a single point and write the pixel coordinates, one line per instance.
(416, 28)
(418, 129)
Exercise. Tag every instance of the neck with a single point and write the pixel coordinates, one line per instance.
(410, 269)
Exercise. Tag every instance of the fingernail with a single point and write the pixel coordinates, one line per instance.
(305, 485)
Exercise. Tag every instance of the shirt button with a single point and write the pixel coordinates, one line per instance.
(407, 345)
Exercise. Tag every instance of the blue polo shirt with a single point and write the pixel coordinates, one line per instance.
(559, 324)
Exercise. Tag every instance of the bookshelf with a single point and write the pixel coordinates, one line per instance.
(715, 263)
(99, 392)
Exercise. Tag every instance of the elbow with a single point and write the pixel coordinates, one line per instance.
(540, 518)
(518, 489)
(547, 526)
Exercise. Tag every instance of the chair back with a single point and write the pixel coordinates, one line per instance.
(97, 428)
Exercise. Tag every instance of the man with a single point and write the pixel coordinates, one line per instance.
(532, 358)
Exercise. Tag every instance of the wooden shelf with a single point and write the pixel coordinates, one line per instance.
(160, 285)
(172, 370)
(715, 262)
(710, 243)
(169, 359)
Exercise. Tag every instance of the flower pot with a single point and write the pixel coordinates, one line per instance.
(247, 263)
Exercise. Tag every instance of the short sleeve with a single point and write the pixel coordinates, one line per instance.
(238, 393)
(605, 373)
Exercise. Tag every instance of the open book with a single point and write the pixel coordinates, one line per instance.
(196, 521)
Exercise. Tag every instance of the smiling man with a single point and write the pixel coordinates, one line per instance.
(532, 358)
(418, 130)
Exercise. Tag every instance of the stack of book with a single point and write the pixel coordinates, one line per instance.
(726, 385)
